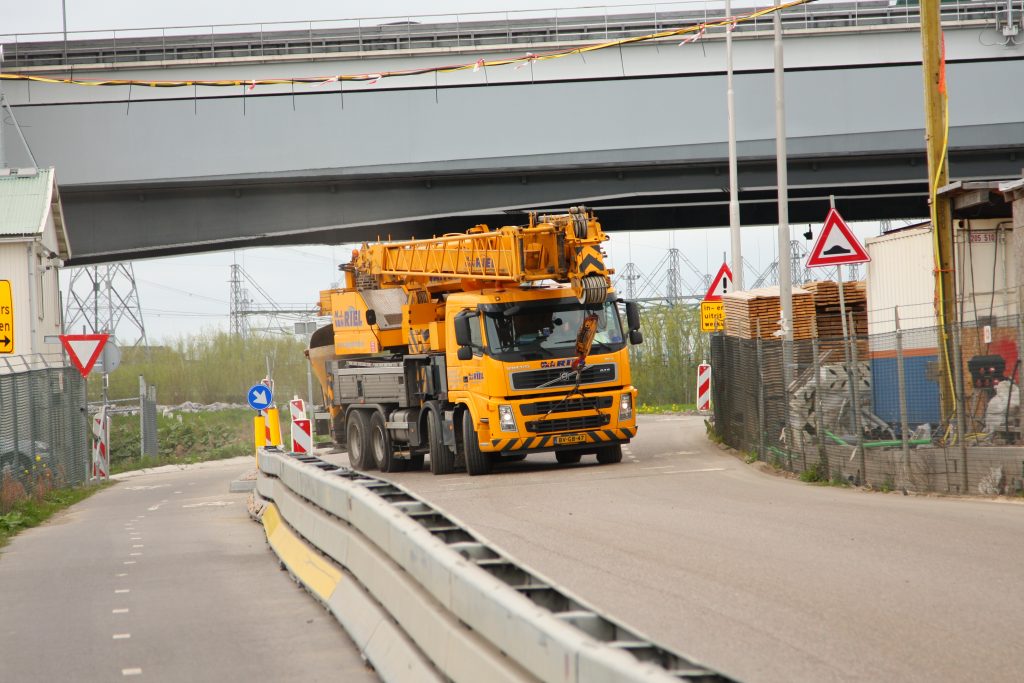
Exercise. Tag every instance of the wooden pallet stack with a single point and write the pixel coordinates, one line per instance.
(827, 318)
(744, 310)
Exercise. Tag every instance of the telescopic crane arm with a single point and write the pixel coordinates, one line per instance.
(564, 248)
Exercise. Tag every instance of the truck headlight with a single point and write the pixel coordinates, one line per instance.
(507, 419)
(625, 406)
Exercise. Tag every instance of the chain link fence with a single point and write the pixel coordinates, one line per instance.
(43, 427)
(886, 410)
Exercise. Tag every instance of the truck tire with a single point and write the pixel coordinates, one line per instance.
(339, 429)
(609, 454)
(477, 462)
(442, 459)
(381, 447)
(357, 435)
(568, 457)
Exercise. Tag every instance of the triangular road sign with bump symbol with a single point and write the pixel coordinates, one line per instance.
(84, 349)
(722, 284)
(836, 244)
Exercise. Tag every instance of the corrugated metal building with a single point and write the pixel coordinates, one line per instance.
(33, 245)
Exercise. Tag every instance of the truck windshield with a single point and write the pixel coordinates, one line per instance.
(530, 332)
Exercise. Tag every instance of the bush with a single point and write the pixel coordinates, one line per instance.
(210, 368)
(183, 438)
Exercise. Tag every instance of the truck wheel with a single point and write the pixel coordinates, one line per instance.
(609, 454)
(568, 457)
(357, 434)
(442, 459)
(477, 462)
(338, 429)
(381, 447)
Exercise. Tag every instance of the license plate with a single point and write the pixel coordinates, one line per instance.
(570, 438)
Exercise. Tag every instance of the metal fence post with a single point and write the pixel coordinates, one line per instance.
(854, 376)
(959, 402)
(760, 398)
(142, 416)
(819, 425)
(901, 384)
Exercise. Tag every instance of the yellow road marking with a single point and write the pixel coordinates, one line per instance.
(319, 575)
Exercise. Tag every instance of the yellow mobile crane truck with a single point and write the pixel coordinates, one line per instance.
(475, 347)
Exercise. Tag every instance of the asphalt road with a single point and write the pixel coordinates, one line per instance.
(761, 577)
(162, 577)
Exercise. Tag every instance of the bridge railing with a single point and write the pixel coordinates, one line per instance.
(473, 30)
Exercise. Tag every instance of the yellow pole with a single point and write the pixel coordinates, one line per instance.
(274, 422)
(936, 111)
(259, 434)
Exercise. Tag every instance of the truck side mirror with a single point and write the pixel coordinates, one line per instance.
(464, 353)
(463, 334)
(632, 317)
(371, 316)
(636, 337)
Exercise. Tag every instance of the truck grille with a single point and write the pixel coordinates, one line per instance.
(568, 424)
(531, 379)
(571, 405)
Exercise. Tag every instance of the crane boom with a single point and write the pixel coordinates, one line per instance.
(564, 248)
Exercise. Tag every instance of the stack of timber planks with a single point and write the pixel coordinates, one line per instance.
(828, 321)
(744, 310)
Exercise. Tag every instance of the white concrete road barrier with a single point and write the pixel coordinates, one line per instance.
(456, 608)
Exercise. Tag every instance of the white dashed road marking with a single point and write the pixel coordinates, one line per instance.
(131, 672)
(138, 545)
(129, 561)
(119, 610)
(122, 636)
(212, 504)
(123, 590)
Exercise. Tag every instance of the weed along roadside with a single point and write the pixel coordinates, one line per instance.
(184, 438)
(20, 513)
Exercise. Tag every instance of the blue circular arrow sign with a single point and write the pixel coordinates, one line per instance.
(260, 397)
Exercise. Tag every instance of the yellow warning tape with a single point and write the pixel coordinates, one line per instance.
(693, 32)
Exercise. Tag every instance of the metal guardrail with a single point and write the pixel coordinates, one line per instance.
(474, 30)
(465, 611)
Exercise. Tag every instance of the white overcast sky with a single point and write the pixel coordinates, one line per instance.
(188, 294)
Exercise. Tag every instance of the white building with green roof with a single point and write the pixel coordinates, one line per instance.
(33, 245)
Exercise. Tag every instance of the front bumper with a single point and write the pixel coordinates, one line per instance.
(548, 442)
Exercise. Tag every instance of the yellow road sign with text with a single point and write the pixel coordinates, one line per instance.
(6, 318)
(712, 316)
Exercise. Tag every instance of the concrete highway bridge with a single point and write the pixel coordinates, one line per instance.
(636, 130)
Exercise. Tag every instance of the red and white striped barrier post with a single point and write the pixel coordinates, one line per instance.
(302, 436)
(302, 429)
(101, 445)
(704, 388)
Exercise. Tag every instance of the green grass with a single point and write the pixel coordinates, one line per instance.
(656, 409)
(184, 438)
(32, 512)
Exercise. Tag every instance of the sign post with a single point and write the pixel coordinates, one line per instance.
(260, 398)
(838, 246)
(84, 349)
(712, 313)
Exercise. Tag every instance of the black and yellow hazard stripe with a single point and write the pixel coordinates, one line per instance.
(590, 261)
(547, 442)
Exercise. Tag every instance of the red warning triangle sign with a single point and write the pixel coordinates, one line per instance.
(836, 244)
(84, 349)
(722, 284)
